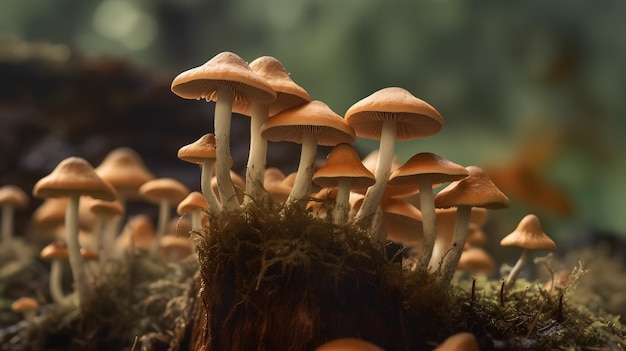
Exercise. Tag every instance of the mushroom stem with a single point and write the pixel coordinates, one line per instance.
(517, 269)
(375, 193)
(302, 184)
(196, 219)
(223, 113)
(164, 217)
(205, 185)
(55, 280)
(258, 153)
(427, 207)
(342, 206)
(7, 222)
(77, 264)
(451, 258)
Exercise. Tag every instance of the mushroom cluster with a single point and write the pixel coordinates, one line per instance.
(430, 207)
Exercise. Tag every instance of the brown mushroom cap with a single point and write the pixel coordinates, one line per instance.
(125, 171)
(164, 189)
(475, 190)
(475, 259)
(199, 150)
(348, 344)
(11, 194)
(24, 304)
(54, 250)
(288, 93)
(427, 164)
(194, 201)
(105, 208)
(415, 117)
(224, 69)
(314, 117)
(74, 176)
(344, 162)
(529, 235)
(459, 341)
(402, 221)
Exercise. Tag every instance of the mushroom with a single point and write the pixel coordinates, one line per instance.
(27, 306)
(225, 78)
(138, 235)
(72, 178)
(427, 169)
(390, 115)
(124, 169)
(344, 170)
(402, 221)
(475, 190)
(288, 95)
(528, 235)
(165, 192)
(203, 152)
(348, 344)
(194, 204)
(311, 125)
(56, 253)
(106, 225)
(475, 260)
(460, 341)
(11, 198)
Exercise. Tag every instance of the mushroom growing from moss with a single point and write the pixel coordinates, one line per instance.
(72, 178)
(344, 170)
(427, 169)
(203, 152)
(311, 125)
(56, 253)
(225, 78)
(390, 115)
(528, 235)
(475, 190)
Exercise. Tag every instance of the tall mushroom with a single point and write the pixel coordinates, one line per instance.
(344, 170)
(390, 115)
(72, 178)
(11, 198)
(56, 253)
(225, 78)
(203, 152)
(475, 190)
(166, 193)
(288, 95)
(106, 225)
(311, 125)
(427, 169)
(528, 235)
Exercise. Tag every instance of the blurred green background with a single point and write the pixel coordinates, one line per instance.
(538, 81)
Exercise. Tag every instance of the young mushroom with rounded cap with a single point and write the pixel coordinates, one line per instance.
(344, 170)
(165, 192)
(311, 125)
(475, 190)
(528, 235)
(225, 78)
(72, 178)
(203, 152)
(390, 115)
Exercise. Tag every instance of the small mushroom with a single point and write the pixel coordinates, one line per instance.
(203, 152)
(344, 170)
(475, 190)
(27, 306)
(166, 193)
(194, 204)
(11, 198)
(427, 169)
(72, 178)
(528, 235)
(56, 253)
